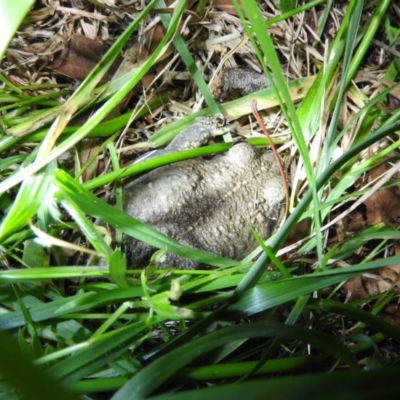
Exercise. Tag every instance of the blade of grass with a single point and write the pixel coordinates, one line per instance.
(85, 90)
(35, 192)
(294, 11)
(103, 111)
(350, 43)
(151, 377)
(365, 385)
(281, 92)
(279, 238)
(368, 36)
(352, 312)
(102, 348)
(190, 63)
(270, 294)
(10, 19)
(240, 369)
(63, 306)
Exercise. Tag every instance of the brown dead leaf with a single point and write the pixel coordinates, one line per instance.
(354, 289)
(79, 56)
(391, 314)
(371, 284)
(225, 5)
(364, 286)
(355, 221)
(367, 285)
(384, 204)
(392, 274)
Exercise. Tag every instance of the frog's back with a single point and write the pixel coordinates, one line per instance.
(209, 204)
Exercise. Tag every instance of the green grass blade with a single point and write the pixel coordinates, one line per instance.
(369, 35)
(365, 385)
(357, 314)
(58, 308)
(96, 118)
(99, 350)
(35, 192)
(10, 19)
(151, 377)
(282, 94)
(190, 63)
(270, 294)
(85, 91)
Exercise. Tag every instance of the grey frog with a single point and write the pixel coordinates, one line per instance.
(207, 204)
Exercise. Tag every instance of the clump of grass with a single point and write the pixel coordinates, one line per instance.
(143, 333)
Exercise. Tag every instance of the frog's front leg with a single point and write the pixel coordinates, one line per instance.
(196, 135)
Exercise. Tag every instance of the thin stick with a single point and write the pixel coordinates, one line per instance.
(276, 155)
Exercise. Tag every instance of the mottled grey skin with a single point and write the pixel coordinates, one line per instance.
(207, 203)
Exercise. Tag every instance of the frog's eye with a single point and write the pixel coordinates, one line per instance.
(219, 120)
